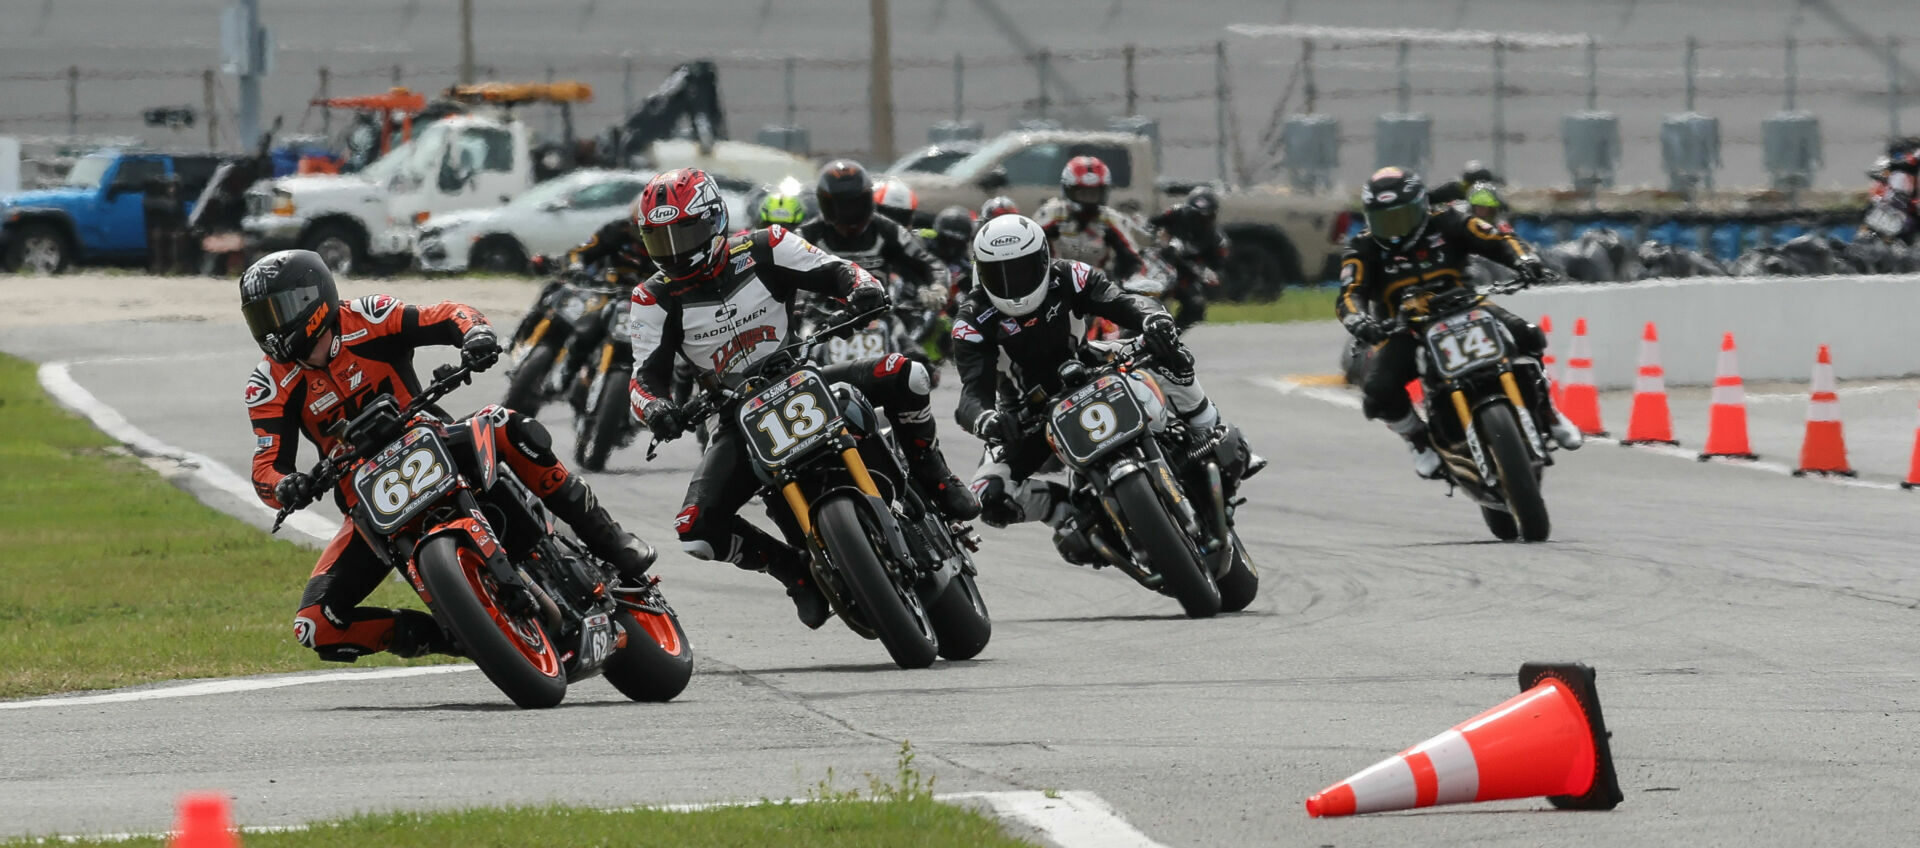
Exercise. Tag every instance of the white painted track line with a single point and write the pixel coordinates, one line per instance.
(226, 686)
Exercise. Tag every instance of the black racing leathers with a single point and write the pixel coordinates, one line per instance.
(615, 247)
(1196, 258)
(1378, 282)
(883, 248)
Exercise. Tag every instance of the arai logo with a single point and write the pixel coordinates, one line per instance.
(662, 214)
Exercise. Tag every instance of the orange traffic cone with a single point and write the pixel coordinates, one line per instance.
(1913, 468)
(1548, 740)
(1650, 421)
(1824, 450)
(204, 823)
(1727, 417)
(1546, 360)
(1579, 400)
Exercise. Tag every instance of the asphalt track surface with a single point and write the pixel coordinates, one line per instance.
(1753, 635)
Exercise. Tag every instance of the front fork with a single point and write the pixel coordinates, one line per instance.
(1522, 413)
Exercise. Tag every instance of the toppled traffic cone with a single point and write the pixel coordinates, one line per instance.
(1579, 400)
(1824, 450)
(1651, 421)
(204, 823)
(1548, 740)
(1546, 360)
(1913, 467)
(1727, 417)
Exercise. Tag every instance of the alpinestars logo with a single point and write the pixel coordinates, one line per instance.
(965, 332)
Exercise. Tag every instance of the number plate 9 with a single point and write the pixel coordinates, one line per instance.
(405, 478)
(1465, 343)
(1096, 419)
(788, 418)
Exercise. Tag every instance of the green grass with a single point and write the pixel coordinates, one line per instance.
(1298, 304)
(110, 577)
(899, 813)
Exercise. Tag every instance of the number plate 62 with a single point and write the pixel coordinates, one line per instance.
(405, 478)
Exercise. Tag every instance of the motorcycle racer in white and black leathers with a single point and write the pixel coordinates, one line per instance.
(724, 303)
(1025, 316)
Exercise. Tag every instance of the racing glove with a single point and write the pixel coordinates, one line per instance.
(294, 491)
(480, 348)
(1529, 270)
(997, 427)
(662, 416)
(1162, 339)
(1366, 329)
(865, 299)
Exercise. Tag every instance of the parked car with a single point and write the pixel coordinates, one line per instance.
(96, 216)
(934, 158)
(550, 218)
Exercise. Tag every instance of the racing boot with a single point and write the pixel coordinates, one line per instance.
(1426, 461)
(930, 469)
(1205, 419)
(416, 634)
(812, 607)
(1564, 433)
(575, 504)
(1072, 537)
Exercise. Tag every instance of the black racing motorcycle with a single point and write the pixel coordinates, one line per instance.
(551, 342)
(604, 421)
(1478, 417)
(1160, 497)
(891, 565)
(532, 608)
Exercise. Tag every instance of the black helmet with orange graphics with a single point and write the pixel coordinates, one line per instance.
(290, 303)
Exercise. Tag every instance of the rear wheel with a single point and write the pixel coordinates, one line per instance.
(960, 619)
(607, 421)
(657, 661)
(514, 651)
(1514, 464)
(1170, 550)
(1242, 581)
(525, 392)
(890, 605)
(499, 255)
(342, 248)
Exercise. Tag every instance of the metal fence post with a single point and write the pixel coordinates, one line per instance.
(396, 75)
(73, 100)
(626, 84)
(1309, 91)
(213, 118)
(1403, 96)
(1500, 106)
(793, 106)
(1593, 74)
(1043, 62)
(326, 91)
(1693, 67)
(1220, 108)
(1893, 87)
(1793, 71)
(959, 88)
(1133, 90)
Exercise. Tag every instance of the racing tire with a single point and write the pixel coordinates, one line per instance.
(657, 662)
(525, 393)
(514, 652)
(1241, 584)
(960, 619)
(38, 249)
(341, 247)
(1170, 550)
(1501, 523)
(1500, 432)
(892, 608)
(606, 424)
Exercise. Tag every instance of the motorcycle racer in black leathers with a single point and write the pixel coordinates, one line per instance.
(848, 228)
(1023, 318)
(1197, 254)
(724, 302)
(1409, 247)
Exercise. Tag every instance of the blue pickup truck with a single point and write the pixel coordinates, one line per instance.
(96, 216)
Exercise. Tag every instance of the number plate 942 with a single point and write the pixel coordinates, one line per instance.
(404, 478)
(1465, 342)
(788, 418)
(1096, 419)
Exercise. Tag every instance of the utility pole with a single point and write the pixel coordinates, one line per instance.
(880, 85)
(466, 42)
(250, 79)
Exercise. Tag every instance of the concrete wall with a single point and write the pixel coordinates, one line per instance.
(1871, 323)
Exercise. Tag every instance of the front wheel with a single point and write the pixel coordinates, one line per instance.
(960, 619)
(514, 652)
(1500, 432)
(657, 661)
(889, 604)
(606, 422)
(38, 249)
(525, 393)
(1170, 550)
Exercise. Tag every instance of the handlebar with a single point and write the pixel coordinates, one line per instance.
(329, 469)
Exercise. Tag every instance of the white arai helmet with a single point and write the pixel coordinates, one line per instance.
(1010, 261)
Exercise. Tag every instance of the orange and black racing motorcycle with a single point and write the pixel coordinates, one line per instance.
(531, 607)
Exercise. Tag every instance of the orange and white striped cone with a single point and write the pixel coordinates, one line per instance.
(1651, 421)
(1824, 450)
(1579, 399)
(1727, 417)
(1548, 740)
(1547, 365)
(1913, 465)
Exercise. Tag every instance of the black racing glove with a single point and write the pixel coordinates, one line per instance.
(662, 416)
(294, 491)
(1162, 340)
(1366, 329)
(997, 427)
(480, 348)
(1529, 270)
(864, 299)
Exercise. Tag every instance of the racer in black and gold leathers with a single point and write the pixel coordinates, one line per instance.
(1407, 254)
(614, 247)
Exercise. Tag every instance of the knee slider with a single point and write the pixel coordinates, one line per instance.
(529, 435)
(919, 381)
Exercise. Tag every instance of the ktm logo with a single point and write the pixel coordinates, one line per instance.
(319, 315)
